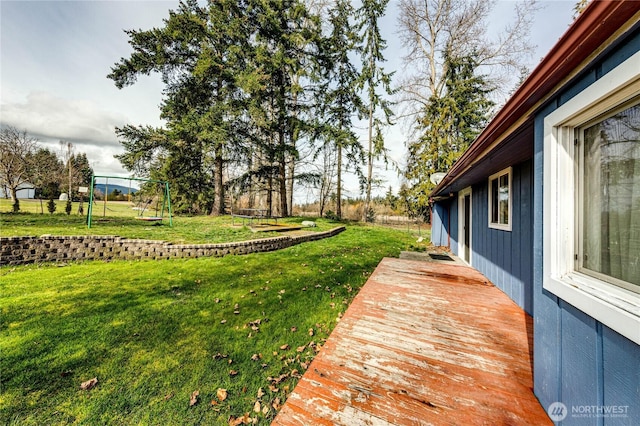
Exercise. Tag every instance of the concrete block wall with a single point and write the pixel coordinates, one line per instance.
(24, 250)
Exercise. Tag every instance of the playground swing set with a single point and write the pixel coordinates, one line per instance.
(144, 202)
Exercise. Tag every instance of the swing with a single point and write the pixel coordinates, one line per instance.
(142, 209)
(161, 190)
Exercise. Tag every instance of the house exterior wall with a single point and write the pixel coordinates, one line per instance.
(444, 224)
(506, 257)
(578, 360)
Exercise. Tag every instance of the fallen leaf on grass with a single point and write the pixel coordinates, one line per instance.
(294, 329)
(256, 407)
(301, 348)
(235, 422)
(244, 420)
(276, 404)
(265, 410)
(89, 384)
(260, 393)
(284, 347)
(233, 373)
(194, 398)
(221, 394)
(311, 332)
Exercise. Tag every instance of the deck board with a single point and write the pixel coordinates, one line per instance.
(422, 343)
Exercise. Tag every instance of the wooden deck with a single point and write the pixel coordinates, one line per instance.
(422, 343)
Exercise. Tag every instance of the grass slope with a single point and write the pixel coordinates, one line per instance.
(154, 332)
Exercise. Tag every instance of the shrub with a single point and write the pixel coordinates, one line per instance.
(371, 215)
(51, 206)
(330, 214)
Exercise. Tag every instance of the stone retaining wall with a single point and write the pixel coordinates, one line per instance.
(22, 250)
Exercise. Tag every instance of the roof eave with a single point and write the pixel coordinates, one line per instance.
(595, 25)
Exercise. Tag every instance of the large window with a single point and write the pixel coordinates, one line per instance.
(609, 217)
(591, 200)
(500, 200)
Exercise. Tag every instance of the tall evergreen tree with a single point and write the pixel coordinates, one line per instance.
(372, 77)
(284, 51)
(450, 122)
(199, 53)
(339, 93)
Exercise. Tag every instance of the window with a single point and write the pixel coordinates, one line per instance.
(609, 217)
(591, 200)
(500, 200)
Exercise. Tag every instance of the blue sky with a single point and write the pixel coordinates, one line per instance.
(55, 55)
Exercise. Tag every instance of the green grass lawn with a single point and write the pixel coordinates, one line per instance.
(120, 220)
(155, 332)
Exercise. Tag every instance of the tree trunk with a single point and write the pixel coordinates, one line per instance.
(282, 171)
(284, 208)
(339, 183)
(218, 196)
(270, 194)
(292, 169)
(367, 201)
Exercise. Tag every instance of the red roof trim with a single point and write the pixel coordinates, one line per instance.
(599, 21)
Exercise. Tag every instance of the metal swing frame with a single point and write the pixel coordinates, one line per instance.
(166, 202)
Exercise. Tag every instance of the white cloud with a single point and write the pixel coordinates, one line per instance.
(80, 121)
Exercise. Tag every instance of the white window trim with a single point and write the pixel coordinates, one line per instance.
(461, 195)
(616, 307)
(501, 226)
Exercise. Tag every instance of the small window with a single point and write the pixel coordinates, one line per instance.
(500, 200)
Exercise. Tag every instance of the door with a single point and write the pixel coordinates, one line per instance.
(467, 227)
(464, 225)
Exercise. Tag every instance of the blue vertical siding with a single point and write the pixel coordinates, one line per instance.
(621, 374)
(578, 360)
(505, 257)
(579, 354)
(444, 224)
(453, 232)
(439, 221)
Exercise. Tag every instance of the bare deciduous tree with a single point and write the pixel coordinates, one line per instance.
(15, 147)
(431, 28)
